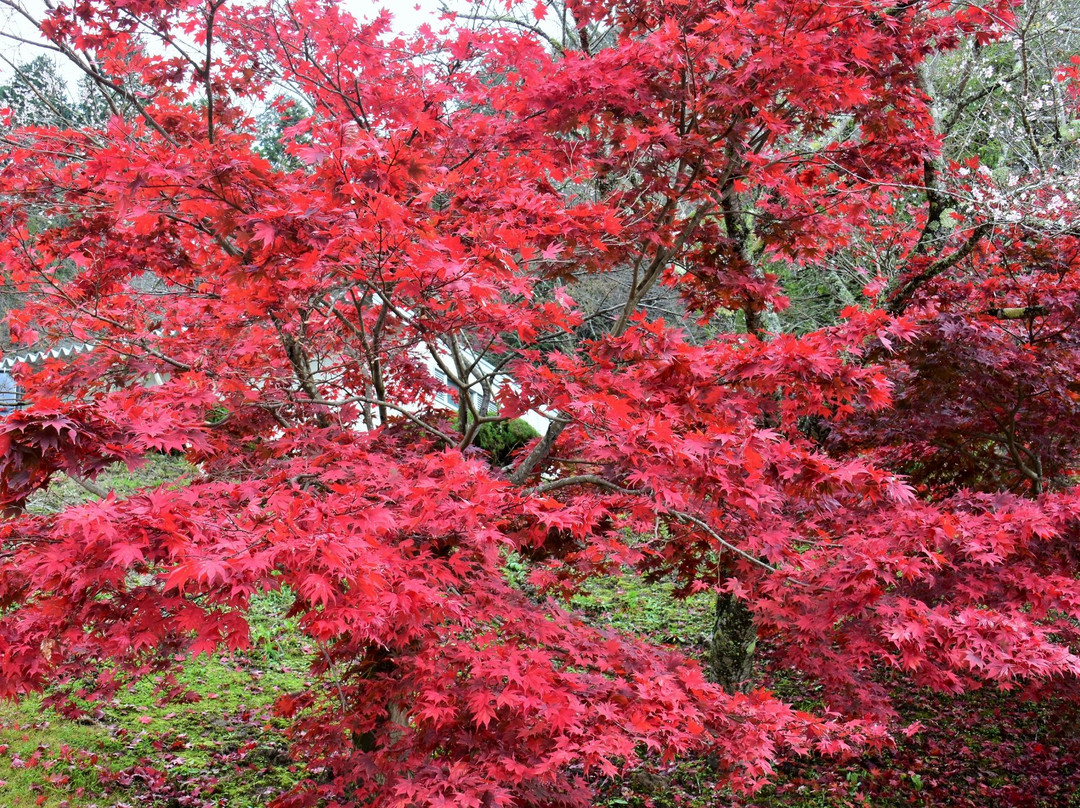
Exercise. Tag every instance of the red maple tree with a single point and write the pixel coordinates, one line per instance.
(446, 195)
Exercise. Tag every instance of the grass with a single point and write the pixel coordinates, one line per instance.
(225, 749)
(39, 758)
(631, 604)
(158, 470)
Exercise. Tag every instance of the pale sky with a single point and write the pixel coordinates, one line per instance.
(408, 16)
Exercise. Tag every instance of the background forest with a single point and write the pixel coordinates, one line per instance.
(791, 289)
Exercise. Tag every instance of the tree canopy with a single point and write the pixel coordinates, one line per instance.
(591, 211)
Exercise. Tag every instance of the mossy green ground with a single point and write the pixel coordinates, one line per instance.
(629, 604)
(157, 470)
(226, 749)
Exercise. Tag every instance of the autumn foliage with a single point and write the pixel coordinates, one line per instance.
(894, 491)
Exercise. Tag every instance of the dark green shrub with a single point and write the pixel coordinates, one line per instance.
(502, 438)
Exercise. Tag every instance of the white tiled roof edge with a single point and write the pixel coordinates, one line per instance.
(30, 357)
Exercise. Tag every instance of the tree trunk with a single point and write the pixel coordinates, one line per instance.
(734, 637)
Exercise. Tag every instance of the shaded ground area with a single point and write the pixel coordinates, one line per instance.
(985, 750)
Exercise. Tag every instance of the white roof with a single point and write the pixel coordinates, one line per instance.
(30, 357)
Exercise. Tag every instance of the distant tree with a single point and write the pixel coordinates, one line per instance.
(271, 125)
(36, 95)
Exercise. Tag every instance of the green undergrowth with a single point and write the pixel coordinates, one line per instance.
(158, 470)
(631, 604)
(224, 748)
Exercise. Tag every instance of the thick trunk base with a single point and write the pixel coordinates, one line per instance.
(734, 638)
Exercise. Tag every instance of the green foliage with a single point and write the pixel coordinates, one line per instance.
(217, 416)
(516, 570)
(272, 144)
(818, 294)
(503, 438)
(629, 603)
(37, 95)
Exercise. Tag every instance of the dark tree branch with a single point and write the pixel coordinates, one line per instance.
(901, 297)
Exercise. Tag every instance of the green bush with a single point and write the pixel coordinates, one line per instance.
(502, 438)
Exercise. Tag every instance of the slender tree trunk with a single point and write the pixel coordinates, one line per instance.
(734, 638)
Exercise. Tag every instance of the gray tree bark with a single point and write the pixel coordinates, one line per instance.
(734, 638)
